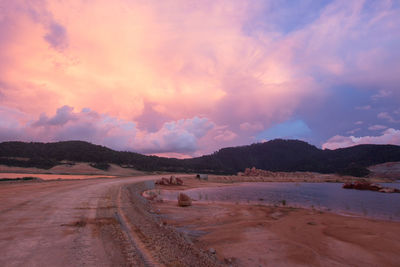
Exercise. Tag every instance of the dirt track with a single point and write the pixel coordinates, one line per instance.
(63, 223)
(79, 223)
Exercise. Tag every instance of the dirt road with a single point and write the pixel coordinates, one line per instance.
(68, 223)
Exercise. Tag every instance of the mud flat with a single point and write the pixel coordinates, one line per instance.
(261, 235)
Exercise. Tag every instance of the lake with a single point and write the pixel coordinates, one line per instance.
(322, 196)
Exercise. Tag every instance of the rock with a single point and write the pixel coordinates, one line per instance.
(366, 186)
(184, 200)
(347, 185)
(369, 186)
(212, 251)
(375, 187)
(361, 185)
(276, 215)
(387, 190)
(162, 181)
(150, 195)
(172, 180)
(228, 260)
(169, 181)
(179, 181)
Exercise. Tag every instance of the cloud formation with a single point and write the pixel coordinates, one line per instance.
(180, 136)
(390, 136)
(176, 136)
(246, 67)
(377, 127)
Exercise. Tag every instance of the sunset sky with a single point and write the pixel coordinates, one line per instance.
(185, 78)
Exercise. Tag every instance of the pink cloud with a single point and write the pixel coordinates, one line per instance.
(353, 131)
(377, 127)
(185, 69)
(154, 64)
(180, 136)
(386, 116)
(247, 126)
(390, 136)
(367, 107)
(225, 135)
(177, 136)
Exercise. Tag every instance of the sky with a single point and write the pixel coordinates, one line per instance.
(184, 78)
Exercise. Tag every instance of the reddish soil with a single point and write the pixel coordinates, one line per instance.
(93, 222)
(255, 235)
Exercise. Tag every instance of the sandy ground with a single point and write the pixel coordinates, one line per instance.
(96, 222)
(77, 168)
(43, 176)
(106, 222)
(256, 235)
(297, 177)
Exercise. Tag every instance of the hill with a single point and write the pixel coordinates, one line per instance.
(275, 155)
(295, 155)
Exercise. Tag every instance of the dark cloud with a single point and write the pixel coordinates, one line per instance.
(57, 36)
(175, 136)
(180, 136)
(63, 115)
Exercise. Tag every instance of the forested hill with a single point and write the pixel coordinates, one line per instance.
(275, 155)
(294, 155)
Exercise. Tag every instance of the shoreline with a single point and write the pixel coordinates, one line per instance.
(111, 220)
(267, 235)
(315, 209)
(194, 183)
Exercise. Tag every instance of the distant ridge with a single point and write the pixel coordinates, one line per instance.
(275, 155)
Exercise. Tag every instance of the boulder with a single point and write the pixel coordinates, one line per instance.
(184, 200)
(348, 185)
(172, 180)
(375, 187)
(387, 190)
(362, 185)
(169, 181)
(369, 186)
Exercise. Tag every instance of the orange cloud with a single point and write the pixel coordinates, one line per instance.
(166, 61)
(114, 57)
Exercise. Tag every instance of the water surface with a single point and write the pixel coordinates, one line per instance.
(323, 196)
